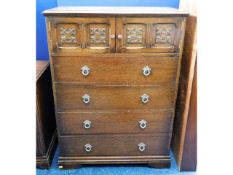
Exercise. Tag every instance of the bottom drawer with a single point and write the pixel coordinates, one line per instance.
(115, 145)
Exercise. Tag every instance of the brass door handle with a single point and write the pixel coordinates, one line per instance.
(112, 36)
(119, 36)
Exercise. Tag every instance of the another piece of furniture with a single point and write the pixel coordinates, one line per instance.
(184, 140)
(46, 141)
(115, 76)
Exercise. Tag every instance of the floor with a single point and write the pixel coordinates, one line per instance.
(112, 169)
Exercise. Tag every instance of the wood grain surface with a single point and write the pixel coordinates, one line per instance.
(46, 137)
(184, 94)
(116, 69)
(106, 122)
(115, 44)
(115, 145)
(69, 97)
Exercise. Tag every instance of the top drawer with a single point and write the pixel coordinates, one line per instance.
(133, 70)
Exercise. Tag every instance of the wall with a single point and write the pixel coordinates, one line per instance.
(159, 3)
(41, 37)
(41, 5)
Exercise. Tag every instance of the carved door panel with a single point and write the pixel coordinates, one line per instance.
(82, 35)
(148, 34)
(99, 35)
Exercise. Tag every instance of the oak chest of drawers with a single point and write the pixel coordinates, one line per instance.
(115, 74)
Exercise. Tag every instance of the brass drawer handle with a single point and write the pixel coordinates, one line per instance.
(87, 124)
(86, 98)
(145, 98)
(143, 124)
(146, 71)
(85, 70)
(88, 147)
(141, 147)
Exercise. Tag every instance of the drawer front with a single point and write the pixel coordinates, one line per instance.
(72, 97)
(115, 69)
(115, 145)
(115, 122)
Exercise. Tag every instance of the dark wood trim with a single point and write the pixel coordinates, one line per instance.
(181, 121)
(46, 138)
(45, 161)
(189, 161)
(153, 161)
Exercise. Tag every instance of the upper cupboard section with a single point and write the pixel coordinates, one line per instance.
(148, 34)
(94, 35)
(121, 34)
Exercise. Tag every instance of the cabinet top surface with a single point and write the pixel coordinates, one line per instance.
(41, 66)
(84, 10)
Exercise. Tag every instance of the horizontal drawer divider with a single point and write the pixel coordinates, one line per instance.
(156, 54)
(159, 134)
(135, 133)
(105, 111)
(113, 85)
(114, 157)
(118, 110)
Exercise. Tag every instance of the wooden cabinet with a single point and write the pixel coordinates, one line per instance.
(115, 77)
(46, 138)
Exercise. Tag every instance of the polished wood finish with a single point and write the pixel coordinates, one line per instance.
(183, 144)
(88, 35)
(45, 116)
(104, 122)
(189, 161)
(106, 69)
(148, 34)
(69, 97)
(126, 55)
(115, 145)
(77, 162)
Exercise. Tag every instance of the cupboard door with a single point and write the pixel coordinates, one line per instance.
(82, 35)
(99, 35)
(148, 34)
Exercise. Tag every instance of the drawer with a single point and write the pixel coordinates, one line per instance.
(115, 122)
(115, 145)
(115, 69)
(74, 97)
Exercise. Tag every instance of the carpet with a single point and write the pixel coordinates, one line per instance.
(112, 169)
